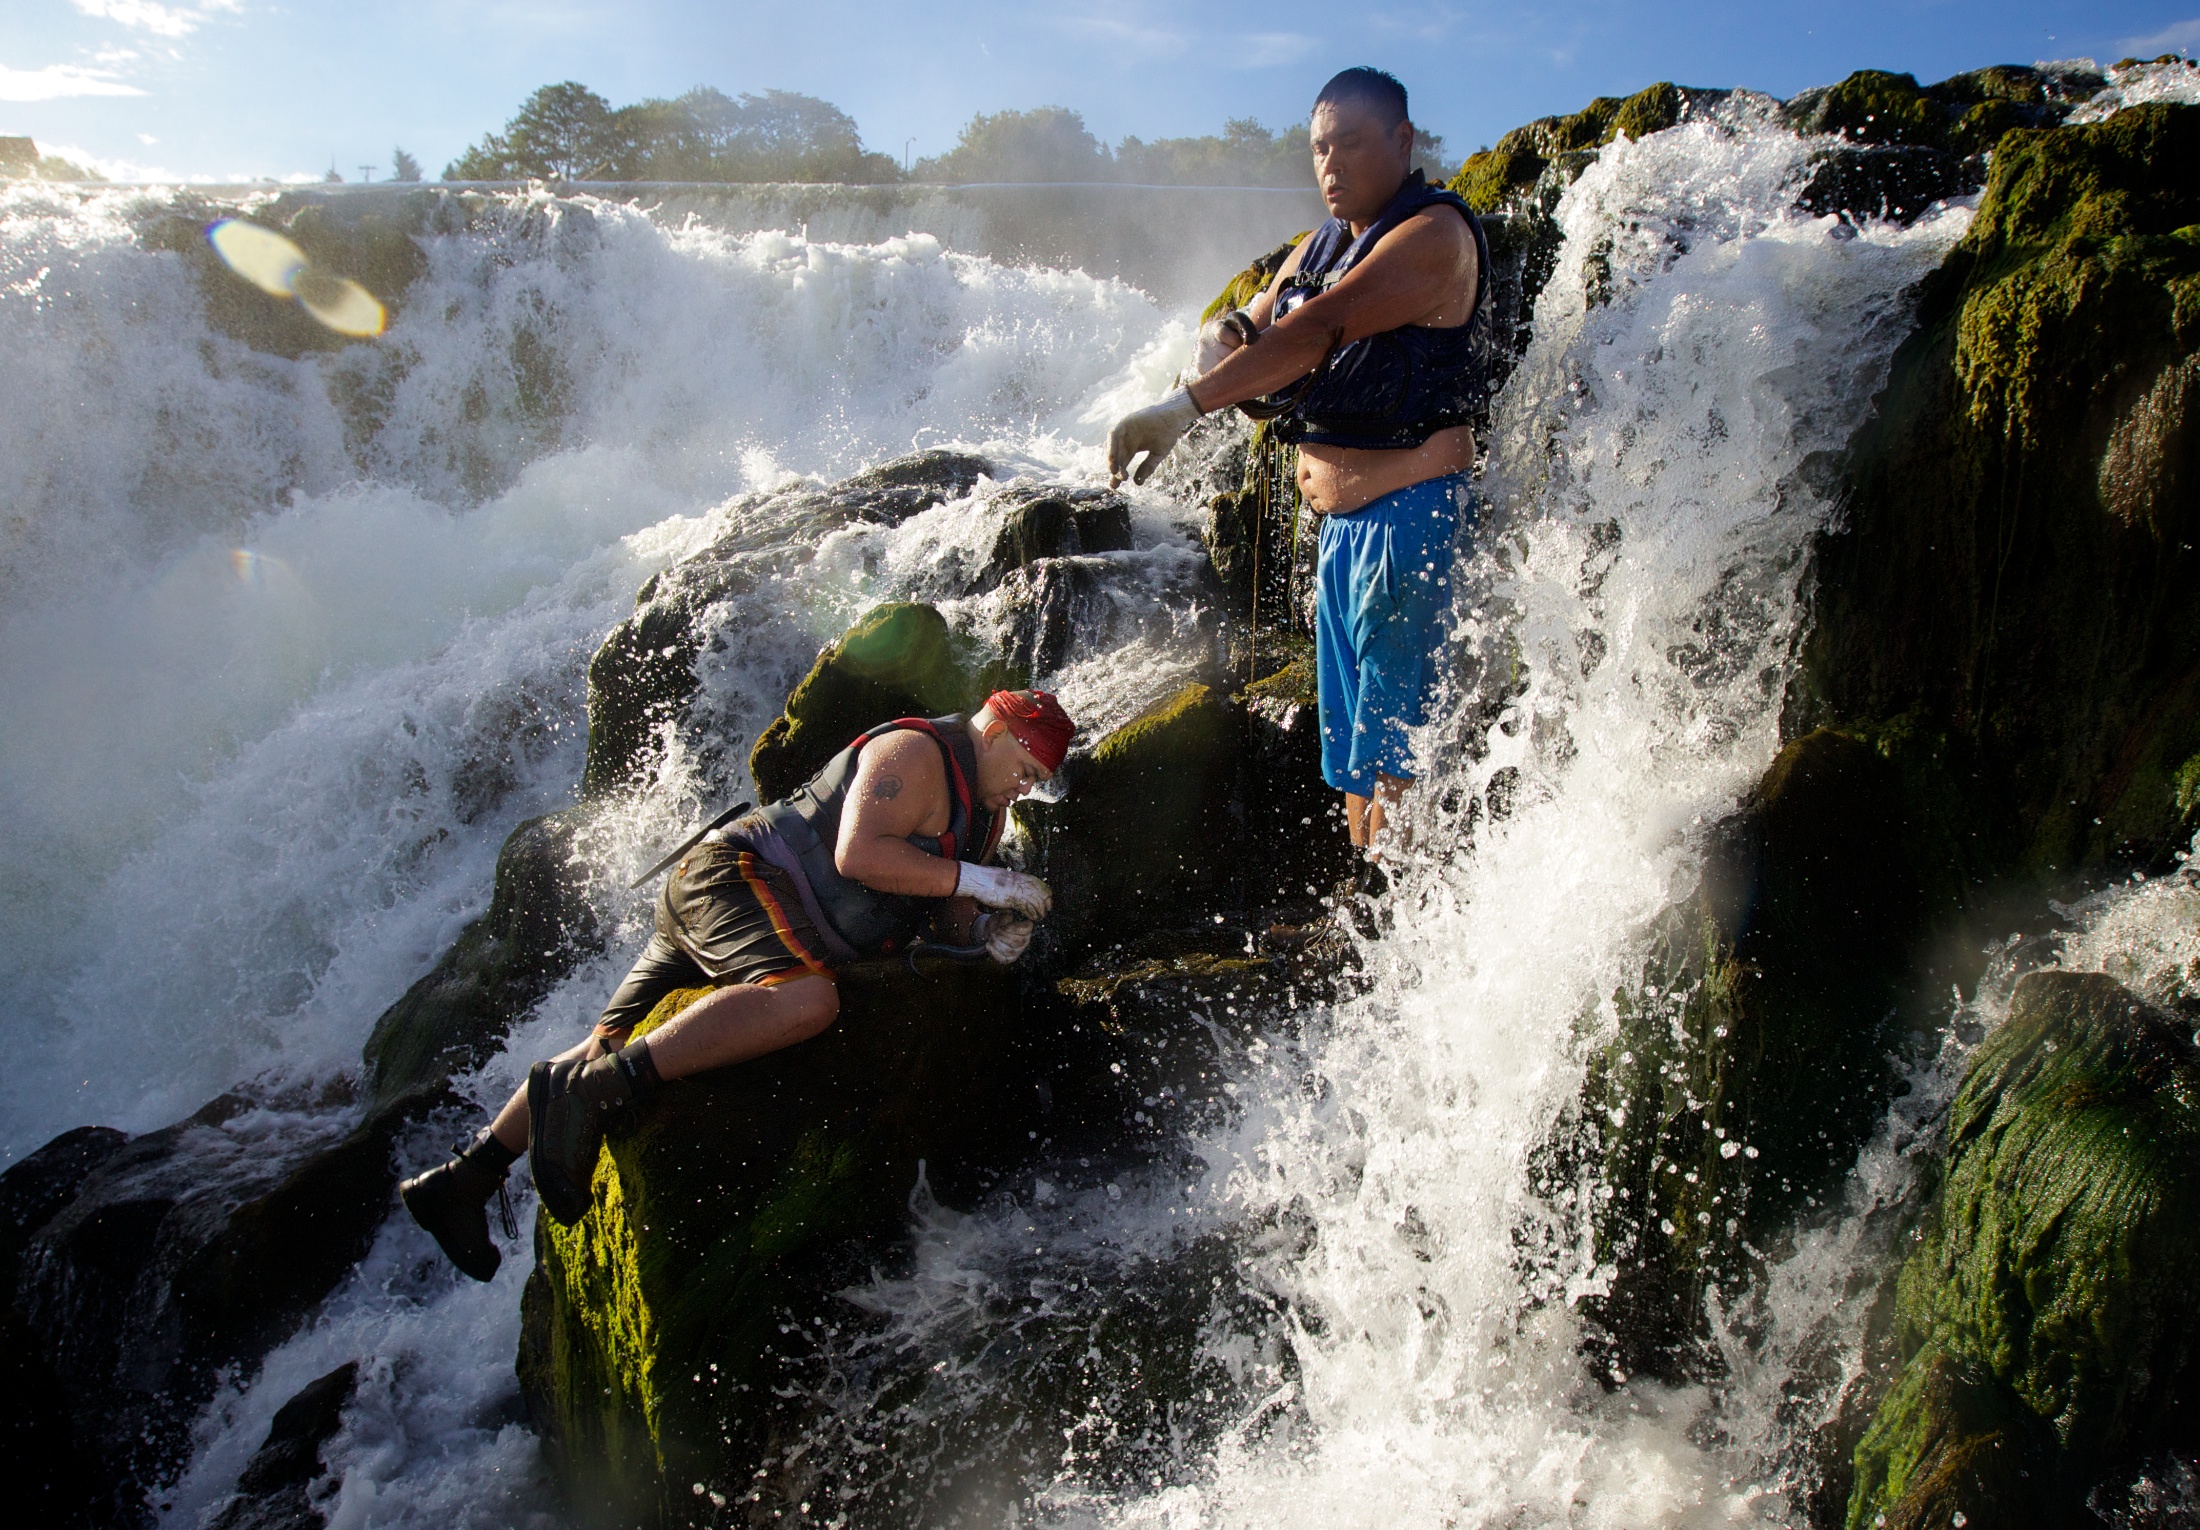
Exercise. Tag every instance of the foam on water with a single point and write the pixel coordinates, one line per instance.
(2137, 84)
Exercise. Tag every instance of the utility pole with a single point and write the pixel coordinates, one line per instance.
(366, 173)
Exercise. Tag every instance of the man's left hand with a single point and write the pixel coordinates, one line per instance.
(1005, 937)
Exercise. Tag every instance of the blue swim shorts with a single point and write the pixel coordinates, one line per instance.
(1382, 589)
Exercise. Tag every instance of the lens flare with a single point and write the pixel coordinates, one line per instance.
(276, 266)
(261, 256)
(340, 303)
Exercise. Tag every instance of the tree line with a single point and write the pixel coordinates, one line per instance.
(568, 132)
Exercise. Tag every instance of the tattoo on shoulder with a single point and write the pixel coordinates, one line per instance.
(886, 788)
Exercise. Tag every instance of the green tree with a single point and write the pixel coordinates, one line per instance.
(403, 167)
(568, 132)
(1246, 154)
(1050, 143)
(780, 135)
(563, 132)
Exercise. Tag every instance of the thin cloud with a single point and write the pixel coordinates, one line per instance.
(57, 82)
(149, 16)
(1154, 40)
(2174, 38)
(1269, 50)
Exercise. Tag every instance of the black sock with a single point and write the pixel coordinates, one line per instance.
(640, 1068)
(489, 1153)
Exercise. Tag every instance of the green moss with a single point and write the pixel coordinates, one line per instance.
(899, 660)
(2080, 244)
(1253, 280)
(2053, 1276)
(1489, 180)
(1874, 106)
(1140, 842)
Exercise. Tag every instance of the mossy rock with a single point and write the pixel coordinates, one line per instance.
(2014, 584)
(730, 1208)
(1753, 1060)
(1143, 840)
(643, 677)
(1497, 176)
(899, 660)
(1253, 280)
(2050, 1300)
(1873, 106)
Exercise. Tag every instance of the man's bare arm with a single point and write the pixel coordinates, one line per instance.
(900, 789)
(1410, 273)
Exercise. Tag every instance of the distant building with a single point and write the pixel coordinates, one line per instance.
(18, 157)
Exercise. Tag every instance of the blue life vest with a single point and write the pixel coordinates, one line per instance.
(799, 833)
(1393, 390)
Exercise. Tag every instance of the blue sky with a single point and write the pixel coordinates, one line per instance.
(236, 88)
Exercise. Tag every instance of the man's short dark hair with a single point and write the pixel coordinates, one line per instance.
(1372, 88)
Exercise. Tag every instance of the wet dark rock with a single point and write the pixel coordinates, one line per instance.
(44, 1182)
(184, 1252)
(1056, 522)
(1895, 182)
(644, 674)
(272, 1491)
(50, 1477)
(899, 660)
(1754, 1059)
(540, 924)
(2047, 1317)
(1053, 601)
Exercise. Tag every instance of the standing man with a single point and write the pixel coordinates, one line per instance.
(1369, 351)
(895, 829)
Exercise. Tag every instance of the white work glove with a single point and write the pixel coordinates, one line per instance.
(1154, 431)
(998, 887)
(1005, 936)
(1216, 340)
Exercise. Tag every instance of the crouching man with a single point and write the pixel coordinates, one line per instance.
(895, 830)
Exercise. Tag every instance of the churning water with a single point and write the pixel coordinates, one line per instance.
(288, 647)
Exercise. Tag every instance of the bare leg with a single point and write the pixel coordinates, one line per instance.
(733, 1025)
(1364, 817)
(725, 1026)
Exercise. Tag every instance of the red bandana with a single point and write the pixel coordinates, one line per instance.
(1039, 724)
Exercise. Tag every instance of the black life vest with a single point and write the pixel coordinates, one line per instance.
(1389, 391)
(799, 832)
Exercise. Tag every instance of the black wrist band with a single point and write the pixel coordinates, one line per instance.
(1240, 323)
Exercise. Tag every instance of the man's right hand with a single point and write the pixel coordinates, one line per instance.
(999, 887)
